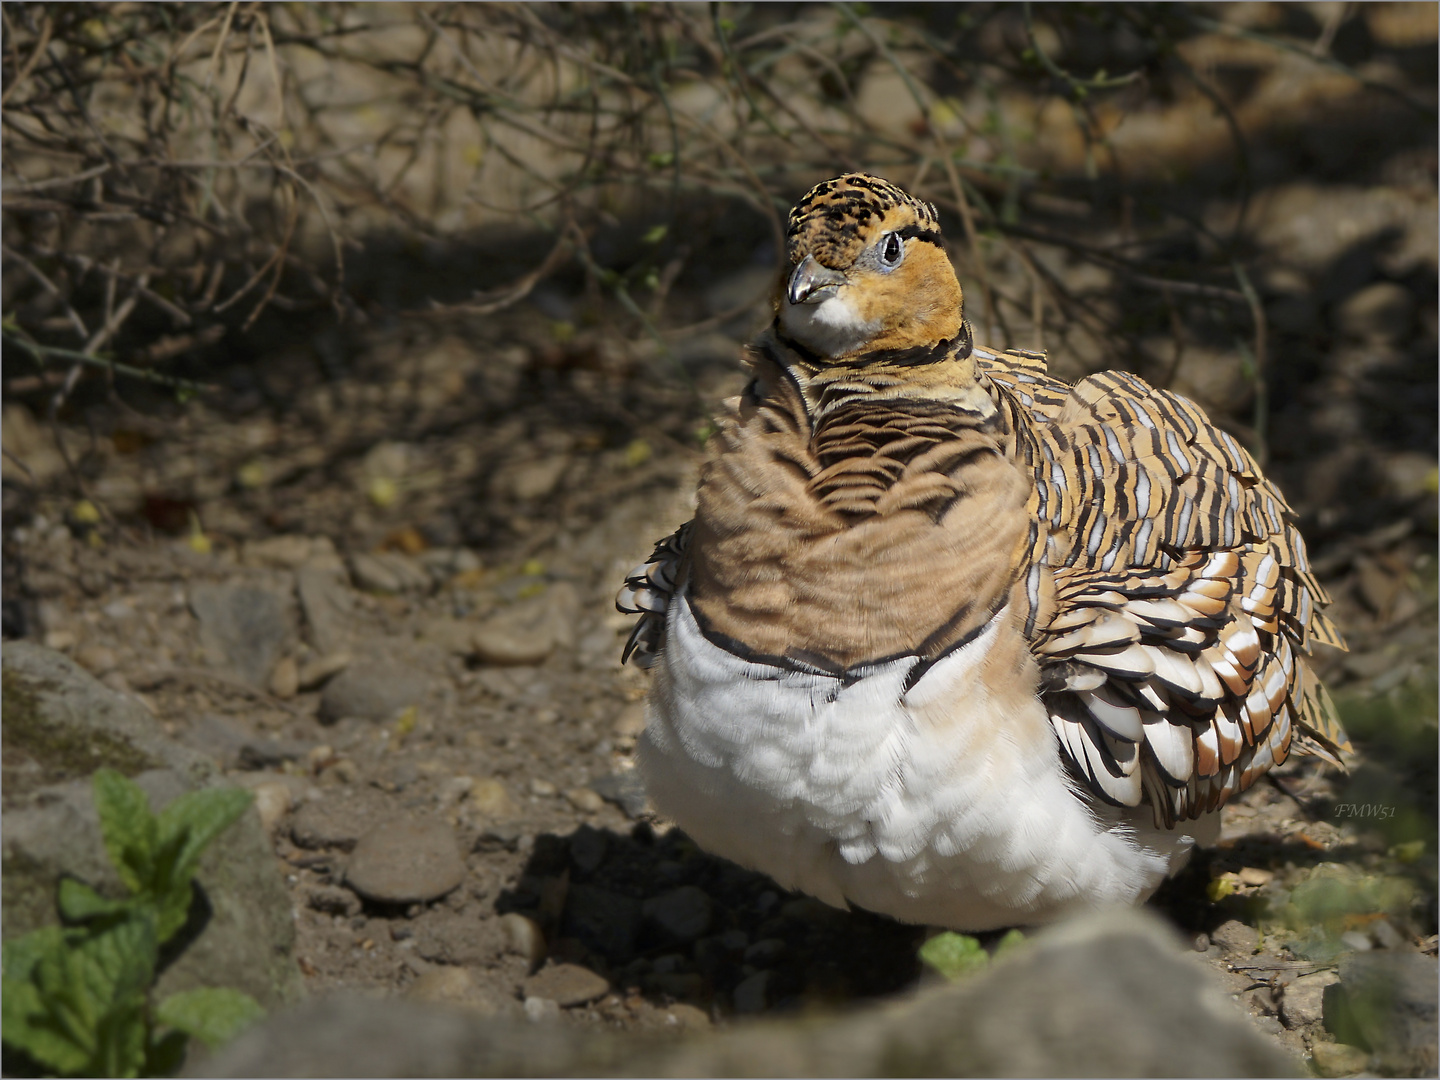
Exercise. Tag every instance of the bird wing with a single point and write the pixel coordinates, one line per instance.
(647, 592)
(1171, 600)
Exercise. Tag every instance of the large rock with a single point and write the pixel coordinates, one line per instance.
(246, 939)
(1386, 1001)
(1108, 995)
(62, 725)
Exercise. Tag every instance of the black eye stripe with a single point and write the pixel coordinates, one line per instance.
(919, 232)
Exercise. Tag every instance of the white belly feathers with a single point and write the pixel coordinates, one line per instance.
(943, 804)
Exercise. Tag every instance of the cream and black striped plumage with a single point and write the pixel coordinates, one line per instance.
(886, 492)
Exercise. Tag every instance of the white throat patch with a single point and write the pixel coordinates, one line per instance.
(829, 328)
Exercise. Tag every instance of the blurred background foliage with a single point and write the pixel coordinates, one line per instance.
(1235, 200)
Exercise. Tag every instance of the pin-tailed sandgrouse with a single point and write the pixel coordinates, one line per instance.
(948, 638)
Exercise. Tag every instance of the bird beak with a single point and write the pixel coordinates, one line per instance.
(810, 280)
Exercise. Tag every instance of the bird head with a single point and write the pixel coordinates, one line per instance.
(866, 273)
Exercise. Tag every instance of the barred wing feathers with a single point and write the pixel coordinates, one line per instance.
(1172, 646)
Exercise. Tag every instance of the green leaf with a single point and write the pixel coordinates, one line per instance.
(199, 816)
(214, 1015)
(655, 234)
(127, 825)
(1011, 942)
(29, 1026)
(954, 955)
(78, 902)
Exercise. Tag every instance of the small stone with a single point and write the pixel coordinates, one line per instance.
(529, 630)
(1236, 938)
(630, 723)
(527, 481)
(451, 985)
(337, 821)
(97, 659)
(566, 985)
(373, 690)
(543, 789)
(407, 860)
(523, 937)
(505, 835)
(1304, 999)
(538, 1010)
(682, 914)
(315, 672)
(454, 790)
(329, 607)
(388, 572)
(285, 552)
(242, 627)
(585, 800)
(333, 900)
(1337, 1059)
(272, 803)
(587, 849)
(60, 640)
(624, 789)
(285, 679)
(752, 994)
(455, 636)
(1253, 875)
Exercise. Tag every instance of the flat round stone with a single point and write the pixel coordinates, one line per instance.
(406, 861)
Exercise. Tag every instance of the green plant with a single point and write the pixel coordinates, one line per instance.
(957, 955)
(77, 996)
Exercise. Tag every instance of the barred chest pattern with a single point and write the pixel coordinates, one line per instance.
(948, 638)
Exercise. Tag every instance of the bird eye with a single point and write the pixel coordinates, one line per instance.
(891, 253)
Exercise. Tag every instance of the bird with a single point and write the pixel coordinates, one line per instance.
(950, 639)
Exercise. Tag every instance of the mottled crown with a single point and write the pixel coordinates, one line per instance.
(837, 218)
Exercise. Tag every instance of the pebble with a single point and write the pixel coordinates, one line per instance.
(286, 552)
(1337, 1059)
(1304, 999)
(630, 723)
(585, 800)
(1384, 934)
(406, 860)
(566, 985)
(388, 572)
(455, 636)
(529, 630)
(337, 821)
(99, 660)
(374, 690)
(543, 789)
(541, 1009)
(1357, 940)
(752, 994)
(624, 789)
(314, 672)
(523, 937)
(452, 985)
(242, 627)
(1253, 875)
(682, 914)
(272, 803)
(285, 679)
(329, 607)
(530, 480)
(1236, 938)
(333, 900)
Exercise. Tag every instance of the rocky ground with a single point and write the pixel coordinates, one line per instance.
(437, 729)
(371, 578)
